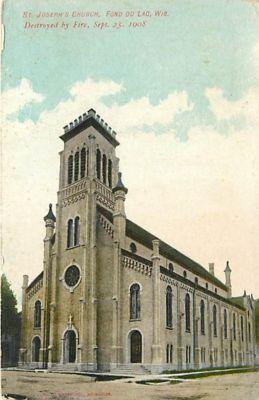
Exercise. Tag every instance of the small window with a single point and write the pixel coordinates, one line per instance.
(135, 301)
(83, 162)
(207, 286)
(110, 173)
(216, 290)
(169, 307)
(133, 248)
(70, 170)
(76, 173)
(171, 267)
(37, 314)
(184, 274)
(70, 234)
(98, 164)
(76, 231)
(196, 280)
(104, 168)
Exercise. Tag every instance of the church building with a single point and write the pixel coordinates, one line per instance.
(114, 297)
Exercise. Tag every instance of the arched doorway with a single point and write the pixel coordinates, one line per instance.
(70, 347)
(36, 349)
(135, 347)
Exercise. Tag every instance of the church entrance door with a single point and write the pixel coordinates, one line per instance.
(135, 347)
(70, 346)
(36, 349)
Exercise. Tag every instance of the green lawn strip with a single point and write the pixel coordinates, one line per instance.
(175, 371)
(211, 373)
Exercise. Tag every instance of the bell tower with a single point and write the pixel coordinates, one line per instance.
(88, 172)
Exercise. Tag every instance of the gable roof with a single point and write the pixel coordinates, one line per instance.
(142, 236)
(135, 232)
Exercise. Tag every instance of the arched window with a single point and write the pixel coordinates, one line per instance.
(242, 328)
(215, 330)
(104, 168)
(133, 248)
(225, 324)
(171, 267)
(37, 314)
(70, 233)
(98, 164)
(169, 308)
(234, 326)
(184, 274)
(110, 173)
(196, 280)
(187, 313)
(70, 170)
(83, 163)
(76, 173)
(202, 311)
(135, 301)
(76, 231)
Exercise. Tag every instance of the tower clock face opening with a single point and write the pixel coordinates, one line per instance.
(72, 276)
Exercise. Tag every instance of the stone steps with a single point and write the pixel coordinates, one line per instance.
(130, 370)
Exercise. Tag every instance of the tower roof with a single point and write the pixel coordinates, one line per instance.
(227, 269)
(90, 118)
(50, 214)
(120, 185)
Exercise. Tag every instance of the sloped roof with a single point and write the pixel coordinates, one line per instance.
(135, 232)
(35, 280)
(139, 234)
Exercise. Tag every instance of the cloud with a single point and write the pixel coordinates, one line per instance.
(200, 195)
(224, 109)
(14, 100)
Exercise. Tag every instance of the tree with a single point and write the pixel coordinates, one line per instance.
(9, 313)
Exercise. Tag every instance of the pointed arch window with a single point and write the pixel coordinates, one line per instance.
(76, 231)
(225, 324)
(242, 328)
(70, 238)
(202, 311)
(98, 164)
(169, 308)
(83, 163)
(234, 326)
(104, 168)
(187, 313)
(76, 173)
(110, 173)
(70, 170)
(37, 314)
(215, 328)
(135, 301)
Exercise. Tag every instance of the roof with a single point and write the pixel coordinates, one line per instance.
(37, 279)
(50, 214)
(89, 119)
(142, 236)
(139, 234)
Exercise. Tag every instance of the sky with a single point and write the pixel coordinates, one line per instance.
(182, 94)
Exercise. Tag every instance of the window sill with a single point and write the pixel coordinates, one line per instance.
(36, 327)
(169, 327)
(187, 330)
(73, 247)
(134, 319)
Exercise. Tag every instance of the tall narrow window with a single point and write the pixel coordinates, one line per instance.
(135, 301)
(215, 320)
(234, 326)
(242, 328)
(70, 233)
(169, 309)
(98, 164)
(171, 353)
(76, 173)
(83, 163)
(37, 314)
(76, 231)
(110, 173)
(167, 353)
(202, 311)
(249, 331)
(225, 324)
(187, 313)
(104, 168)
(70, 170)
